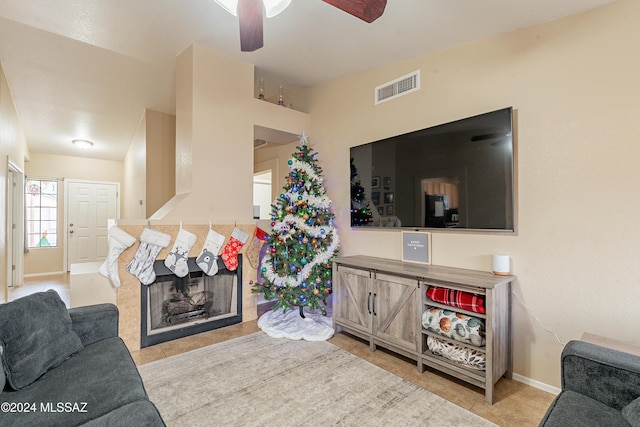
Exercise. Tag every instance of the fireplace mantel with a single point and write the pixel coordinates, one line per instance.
(128, 297)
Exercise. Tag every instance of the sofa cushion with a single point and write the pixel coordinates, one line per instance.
(100, 378)
(36, 335)
(571, 409)
(631, 412)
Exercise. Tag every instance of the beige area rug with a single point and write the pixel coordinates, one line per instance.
(257, 380)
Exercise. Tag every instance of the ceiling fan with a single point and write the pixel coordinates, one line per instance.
(250, 12)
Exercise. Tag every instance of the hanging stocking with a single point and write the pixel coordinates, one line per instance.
(119, 240)
(151, 243)
(253, 249)
(230, 252)
(208, 258)
(176, 261)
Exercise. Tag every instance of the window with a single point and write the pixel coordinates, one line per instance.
(41, 200)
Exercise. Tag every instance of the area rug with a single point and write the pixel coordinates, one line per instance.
(258, 380)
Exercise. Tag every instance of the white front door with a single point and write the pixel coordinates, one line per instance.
(89, 206)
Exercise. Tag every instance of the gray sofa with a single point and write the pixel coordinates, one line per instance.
(600, 387)
(68, 367)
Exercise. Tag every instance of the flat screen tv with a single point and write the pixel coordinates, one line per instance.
(457, 175)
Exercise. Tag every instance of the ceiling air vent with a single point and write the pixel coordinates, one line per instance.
(257, 143)
(398, 87)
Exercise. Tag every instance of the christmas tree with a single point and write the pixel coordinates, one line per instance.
(303, 240)
(360, 213)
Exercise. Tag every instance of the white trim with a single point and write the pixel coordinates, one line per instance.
(15, 217)
(537, 384)
(48, 273)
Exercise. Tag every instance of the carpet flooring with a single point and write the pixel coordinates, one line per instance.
(257, 380)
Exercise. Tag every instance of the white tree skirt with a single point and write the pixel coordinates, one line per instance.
(313, 327)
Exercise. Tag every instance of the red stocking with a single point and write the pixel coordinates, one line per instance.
(230, 252)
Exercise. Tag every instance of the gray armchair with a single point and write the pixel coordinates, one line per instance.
(600, 387)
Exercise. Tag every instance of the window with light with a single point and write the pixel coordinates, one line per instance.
(41, 201)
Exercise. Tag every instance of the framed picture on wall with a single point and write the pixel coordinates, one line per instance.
(416, 246)
(388, 197)
(375, 182)
(389, 209)
(375, 197)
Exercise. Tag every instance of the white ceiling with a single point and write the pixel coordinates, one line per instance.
(89, 68)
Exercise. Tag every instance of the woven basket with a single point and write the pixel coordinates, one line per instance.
(462, 355)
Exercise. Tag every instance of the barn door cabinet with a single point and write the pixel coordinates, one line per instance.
(382, 301)
(377, 307)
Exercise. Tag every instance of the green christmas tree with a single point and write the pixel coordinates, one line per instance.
(303, 240)
(360, 212)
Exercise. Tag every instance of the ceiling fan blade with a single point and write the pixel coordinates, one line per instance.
(367, 10)
(250, 17)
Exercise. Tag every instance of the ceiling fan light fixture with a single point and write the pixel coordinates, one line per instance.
(230, 6)
(82, 144)
(274, 7)
(271, 7)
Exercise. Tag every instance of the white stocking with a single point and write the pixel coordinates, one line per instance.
(151, 243)
(176, 261)
(119, 240)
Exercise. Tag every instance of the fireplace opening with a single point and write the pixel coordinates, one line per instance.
(174, 307)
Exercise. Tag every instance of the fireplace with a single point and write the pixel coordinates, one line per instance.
(174, 307)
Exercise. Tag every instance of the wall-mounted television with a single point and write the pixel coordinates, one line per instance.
(457, 175)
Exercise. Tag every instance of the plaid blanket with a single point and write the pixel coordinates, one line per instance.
(460, 299)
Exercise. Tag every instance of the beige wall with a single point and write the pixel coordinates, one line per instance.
(150, 159)
(574, 85)
(42, 165)
(161, 165)
(135, 174)
(215, 117)
(13, 148)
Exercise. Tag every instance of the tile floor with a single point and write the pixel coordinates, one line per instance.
(516, 404)
(58, 282)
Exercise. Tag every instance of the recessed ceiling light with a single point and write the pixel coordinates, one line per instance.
(82, 144)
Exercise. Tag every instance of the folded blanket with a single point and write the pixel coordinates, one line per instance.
(457, 326)
(460, 299)
(465, 356)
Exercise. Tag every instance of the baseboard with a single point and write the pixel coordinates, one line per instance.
(537, 384)
(49, 273)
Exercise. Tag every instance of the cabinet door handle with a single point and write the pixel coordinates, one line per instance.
(374, 304)
(369, 303)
